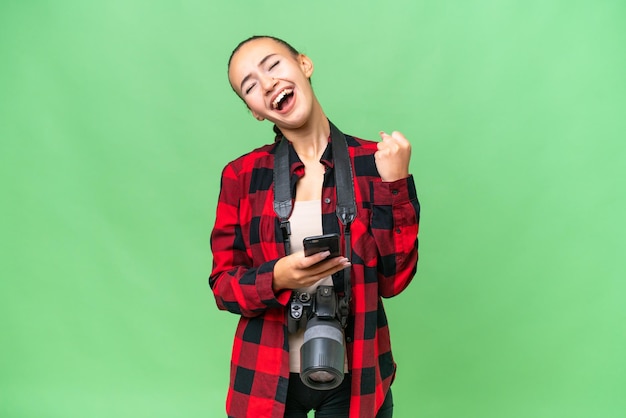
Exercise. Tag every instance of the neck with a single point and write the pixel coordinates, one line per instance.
(310, 140)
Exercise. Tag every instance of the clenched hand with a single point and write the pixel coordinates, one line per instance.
(393, 156)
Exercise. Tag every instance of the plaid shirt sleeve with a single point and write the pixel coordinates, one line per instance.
(395, 224)
(384, 260)
(241, 284)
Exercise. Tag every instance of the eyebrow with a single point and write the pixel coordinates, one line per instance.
(250, 75)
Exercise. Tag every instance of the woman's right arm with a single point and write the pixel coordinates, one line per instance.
(238, 285)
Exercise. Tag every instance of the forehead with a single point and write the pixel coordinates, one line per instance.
(250, 54)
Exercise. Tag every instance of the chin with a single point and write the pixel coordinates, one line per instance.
(295, 120)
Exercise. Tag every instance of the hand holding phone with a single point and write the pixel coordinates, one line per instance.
(319, 243)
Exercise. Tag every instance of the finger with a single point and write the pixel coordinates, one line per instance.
(385, 145)
(328, 271)
(313, 259)
(385, 136)
(327, 267)
(388, 145)
(399, 138)
(328, 264)
(384, 139)
(382, 155)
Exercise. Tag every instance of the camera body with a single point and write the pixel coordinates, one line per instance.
(304, 306)
(322, 352)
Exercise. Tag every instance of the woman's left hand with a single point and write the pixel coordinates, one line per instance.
(393, 156)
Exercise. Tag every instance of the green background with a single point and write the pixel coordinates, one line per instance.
(116, 119)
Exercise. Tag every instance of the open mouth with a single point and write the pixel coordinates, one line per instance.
(282, 99)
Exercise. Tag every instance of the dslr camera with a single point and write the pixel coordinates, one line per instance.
(322, 354)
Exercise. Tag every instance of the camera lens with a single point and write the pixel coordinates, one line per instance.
(322, 354)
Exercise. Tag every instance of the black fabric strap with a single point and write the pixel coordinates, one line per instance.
(346, 204)
(282, 191)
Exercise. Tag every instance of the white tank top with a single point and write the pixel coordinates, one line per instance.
(305, 221)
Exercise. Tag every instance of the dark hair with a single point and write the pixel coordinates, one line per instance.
(291, 49)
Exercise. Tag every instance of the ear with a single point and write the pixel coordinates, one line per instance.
(306, 65)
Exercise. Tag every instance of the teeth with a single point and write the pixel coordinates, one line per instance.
(280, 97)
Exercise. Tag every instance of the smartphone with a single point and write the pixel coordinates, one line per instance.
(319, 243)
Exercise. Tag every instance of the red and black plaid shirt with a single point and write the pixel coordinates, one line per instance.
(246, 243)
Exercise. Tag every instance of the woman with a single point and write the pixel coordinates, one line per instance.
(255, 274)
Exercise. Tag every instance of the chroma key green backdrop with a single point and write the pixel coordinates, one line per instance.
(116, 119)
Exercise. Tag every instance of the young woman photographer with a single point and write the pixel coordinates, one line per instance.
(255, 274)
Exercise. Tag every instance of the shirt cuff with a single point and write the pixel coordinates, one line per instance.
(393, 192)
(264, 283)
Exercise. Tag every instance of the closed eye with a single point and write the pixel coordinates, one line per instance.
(249, 89)
(275, 64)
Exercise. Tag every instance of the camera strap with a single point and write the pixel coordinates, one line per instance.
(344, 185)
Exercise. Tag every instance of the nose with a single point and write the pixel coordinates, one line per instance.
(268, 83)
